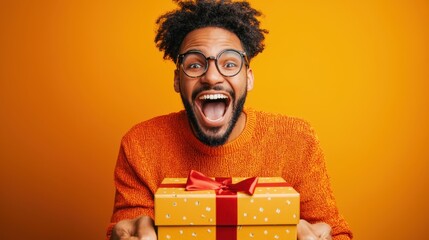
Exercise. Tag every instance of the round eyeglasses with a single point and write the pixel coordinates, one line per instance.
(228, 62)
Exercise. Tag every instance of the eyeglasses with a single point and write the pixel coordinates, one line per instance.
(228, 62)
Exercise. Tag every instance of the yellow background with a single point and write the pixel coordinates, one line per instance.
(76, 75)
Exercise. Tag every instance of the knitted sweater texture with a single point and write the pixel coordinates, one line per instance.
(269, 146)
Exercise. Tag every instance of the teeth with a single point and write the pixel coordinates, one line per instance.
(213, 96)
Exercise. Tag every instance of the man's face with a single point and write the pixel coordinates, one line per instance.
(212, 101)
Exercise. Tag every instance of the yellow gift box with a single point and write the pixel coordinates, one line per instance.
(272, 212)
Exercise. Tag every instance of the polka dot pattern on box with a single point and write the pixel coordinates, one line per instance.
(271, 213)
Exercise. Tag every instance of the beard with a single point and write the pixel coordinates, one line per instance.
(212, 140)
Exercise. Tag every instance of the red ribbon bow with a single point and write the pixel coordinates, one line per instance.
(198, 181)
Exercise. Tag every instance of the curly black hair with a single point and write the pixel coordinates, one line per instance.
(237, 17)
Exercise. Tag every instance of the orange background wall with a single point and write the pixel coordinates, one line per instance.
(76, 75)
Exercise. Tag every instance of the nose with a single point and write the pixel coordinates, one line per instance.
(212, 75)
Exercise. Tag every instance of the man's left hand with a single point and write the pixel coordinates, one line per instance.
(308, 231)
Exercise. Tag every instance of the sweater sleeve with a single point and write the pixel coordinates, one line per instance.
(317, 199)
(132, 196)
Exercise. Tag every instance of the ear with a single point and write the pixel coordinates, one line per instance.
(250, 79)
(177, 80)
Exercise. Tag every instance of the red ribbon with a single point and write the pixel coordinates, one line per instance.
(198, 181)
(226, 199)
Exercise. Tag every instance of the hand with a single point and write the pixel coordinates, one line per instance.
(140, 228)
(308, 231)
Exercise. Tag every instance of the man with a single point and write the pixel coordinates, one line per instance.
(212, 43)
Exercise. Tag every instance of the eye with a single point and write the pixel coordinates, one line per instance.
(194, 65)
(194, 62)
(230, 65)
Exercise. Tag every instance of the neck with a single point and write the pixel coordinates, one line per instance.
(239, 127)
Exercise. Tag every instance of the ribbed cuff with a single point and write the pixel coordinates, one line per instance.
(341, 237)
(109, 230)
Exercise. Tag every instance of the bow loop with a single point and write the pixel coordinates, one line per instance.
(198, 181)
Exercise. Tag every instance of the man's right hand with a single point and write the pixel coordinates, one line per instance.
(140, 228)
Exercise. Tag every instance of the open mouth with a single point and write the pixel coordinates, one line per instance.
(213, 106)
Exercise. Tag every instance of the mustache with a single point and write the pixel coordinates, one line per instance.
(214, 88)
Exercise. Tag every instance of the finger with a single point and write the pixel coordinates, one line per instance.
(322, 230)
(326, 236)
(305, 232)
(145, 228)
(122, 230)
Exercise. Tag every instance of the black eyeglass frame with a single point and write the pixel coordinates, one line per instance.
(180, 57)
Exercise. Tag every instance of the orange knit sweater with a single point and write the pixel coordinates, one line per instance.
(270, 145)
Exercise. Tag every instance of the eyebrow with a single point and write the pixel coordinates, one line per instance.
(198, 50)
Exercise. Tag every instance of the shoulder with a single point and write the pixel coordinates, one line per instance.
(283, 122)
(159, 126)
(284, 128)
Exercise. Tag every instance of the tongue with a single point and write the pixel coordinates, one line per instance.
(214, 110)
